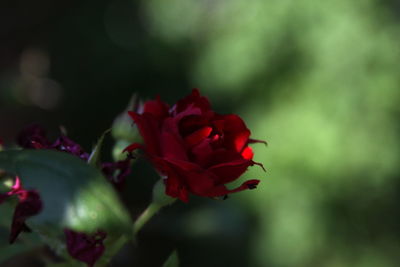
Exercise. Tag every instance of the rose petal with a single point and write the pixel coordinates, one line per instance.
(192, 123)
(202, 153)
(172, 147)
(247, 153)
(240, 140)
(149, 129)
(193, 99)
(235, 132)
(197, 181)
(230, 171)
(175, 188)
(171, 142)
(204, 183)
(198, 136)
(157, 108)
(182, 164)
(132, 147)
(171, 124)
(222, 155)
(192, 176)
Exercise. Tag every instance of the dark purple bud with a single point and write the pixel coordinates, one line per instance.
(65, 144)
(116, 172)
(83, 247)
(33, 136)
(29, 205)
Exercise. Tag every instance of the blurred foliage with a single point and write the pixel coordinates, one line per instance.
(172, 261)
(70, 190)
(28, 243)
(317, 79)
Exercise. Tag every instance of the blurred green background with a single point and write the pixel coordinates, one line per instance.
(319, 80)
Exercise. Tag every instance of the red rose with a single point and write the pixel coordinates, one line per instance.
(196, 149)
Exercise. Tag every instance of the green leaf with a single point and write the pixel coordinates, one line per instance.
(6, 211)
(8, 251)
(25, 244)
(94, 158)
(75, 194)
(173, 260)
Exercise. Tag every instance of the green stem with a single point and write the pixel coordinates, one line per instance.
(112, 251)
(118, 245)
(151, 210)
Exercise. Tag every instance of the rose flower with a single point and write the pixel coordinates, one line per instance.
(197, 150)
